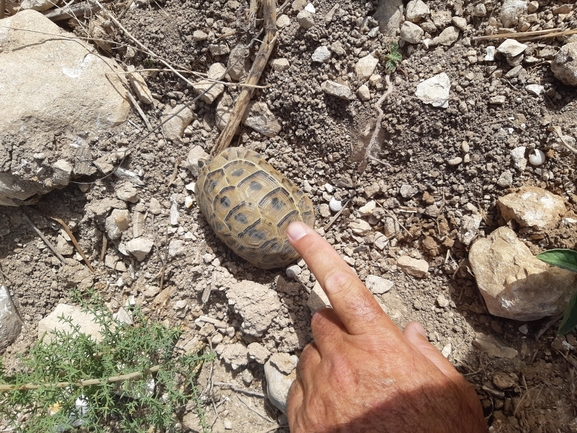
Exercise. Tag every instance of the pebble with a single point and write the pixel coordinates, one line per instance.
(363, 93)
(490, 53)
(497, 100)
(455, 161)
(416, 11)
(321, 54)
(408, 191)
(535, 89)
(10, 323)
(447, 349)
(460, 23)
(283, 21)
(511, 48)
(360, 227)
(305, 19)
(368, 209)
(234, 355)
(280, 372)
(324, 210)
(293, 271)
(335, 89)
(258, 353)
(442, 301)
(199, 36)
(279, 65)
(416, 268)
(127, 192)
(506, 179)
(366, 66)
(411, 33)
(329, 188)
(378, 285)
(537, 157)
(335, 205)
(447, 37)
(139, 247)
(175, 247)
(435, 91)
(518, 157)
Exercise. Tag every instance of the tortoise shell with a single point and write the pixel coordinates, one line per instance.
(248, 204)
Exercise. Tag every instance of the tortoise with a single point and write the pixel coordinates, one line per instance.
(248, 204)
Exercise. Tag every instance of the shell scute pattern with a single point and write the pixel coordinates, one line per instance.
(248, 204)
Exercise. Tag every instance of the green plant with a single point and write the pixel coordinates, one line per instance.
(133, 380)
(566, 259)
(392, 58)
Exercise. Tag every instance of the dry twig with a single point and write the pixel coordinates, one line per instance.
(537, 34)
(269, 13)
(46, 241)
(83, 9)
(73, 239)
(375, 136)
(560, 135)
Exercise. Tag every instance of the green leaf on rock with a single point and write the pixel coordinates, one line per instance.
(562, 258)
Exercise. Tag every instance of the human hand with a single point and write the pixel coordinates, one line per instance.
(361, 373)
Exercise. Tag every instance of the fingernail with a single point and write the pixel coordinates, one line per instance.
(419, 328)
(297, 230)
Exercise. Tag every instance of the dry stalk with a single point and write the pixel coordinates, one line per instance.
(264, 52)
(375, 137)
(560, 135)
(73, 239)
(81, 383)
(2, 7)
(537, 34)
(46, 241)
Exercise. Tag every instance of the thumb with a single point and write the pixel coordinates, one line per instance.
(415, 334)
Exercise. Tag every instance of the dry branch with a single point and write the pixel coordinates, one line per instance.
(73, 239)
(264, 52)
(537, 34)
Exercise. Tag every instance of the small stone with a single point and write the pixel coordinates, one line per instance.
(490, 53)
(447, 349)
(116, 223)
(139, 247)
(535, 89)
(435, 91)
(261, 119)
(511, 48)
(564, 65)
(511, 10)
(318, 298)
(238, 65)
(337, 48)
(518, 157)
(335, 89)
(455, 161)
(497, 100)
(127, 192)
(175, 247)
(227, 424)
(416, 11)
(208, 89)
(321, 54)
(325, 210)
(219, 49)
(283, 21)
(235, 355)
(447, 37)
(368, 208)
(506, 179)
(279, 65)
(442, 301)
(360, 227)
(199, 36)
(493, 347)
(416, 268)
(195, 154)
(175, 120)
(258, 353)
(247, 377)
(305, 19)
(411, 33)
(365, 67)
(460, 23)
(469, 228)
(378, 285)
(363, 93)
(408, 191)
(504, 380)
(293, 271)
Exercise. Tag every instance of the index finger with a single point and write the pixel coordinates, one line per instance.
(351, 300)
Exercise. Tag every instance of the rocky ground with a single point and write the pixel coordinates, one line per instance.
(496, 118)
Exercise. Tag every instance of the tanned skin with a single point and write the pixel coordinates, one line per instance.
(362, 374)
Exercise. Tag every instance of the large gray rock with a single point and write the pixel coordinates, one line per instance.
(564, 65)
(513, 283)
(64, 87)
(389, 14)
(10, 323)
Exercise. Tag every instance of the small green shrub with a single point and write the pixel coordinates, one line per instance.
(133, 380)
(392, 58)
(566, 259)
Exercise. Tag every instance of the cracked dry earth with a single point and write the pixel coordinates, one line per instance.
(433, 166)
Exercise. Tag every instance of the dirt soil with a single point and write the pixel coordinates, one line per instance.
(318, 143)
